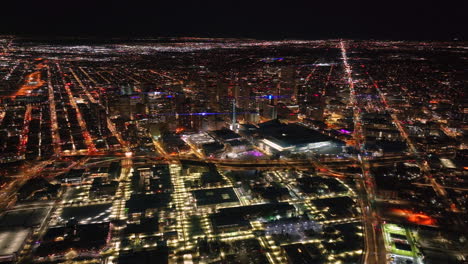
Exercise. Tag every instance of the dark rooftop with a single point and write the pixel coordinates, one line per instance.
(215, 196)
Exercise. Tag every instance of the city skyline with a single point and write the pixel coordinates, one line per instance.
(121, 150)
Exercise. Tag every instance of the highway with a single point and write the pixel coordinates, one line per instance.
(8, 193)
(53, 115)
(25, 132)
(373, 250)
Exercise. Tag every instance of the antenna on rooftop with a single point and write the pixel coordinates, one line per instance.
(234, 118)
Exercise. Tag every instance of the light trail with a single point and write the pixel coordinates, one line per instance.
(8, 193)
(163, 75)
(110, 125)
(324, 89)
(53, 115)
(311, 72)
(90, 97)
(368, 191)
(87, 75)
(104, 78)
(25, 133)
(81, 122)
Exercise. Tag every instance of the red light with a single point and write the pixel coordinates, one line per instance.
(417, 218)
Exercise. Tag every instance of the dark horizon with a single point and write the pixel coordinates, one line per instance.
(79, 37)
(259, 20)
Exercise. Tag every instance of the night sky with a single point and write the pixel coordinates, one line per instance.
(418, 20)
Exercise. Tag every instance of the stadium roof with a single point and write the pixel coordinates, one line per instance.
(288, 135)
